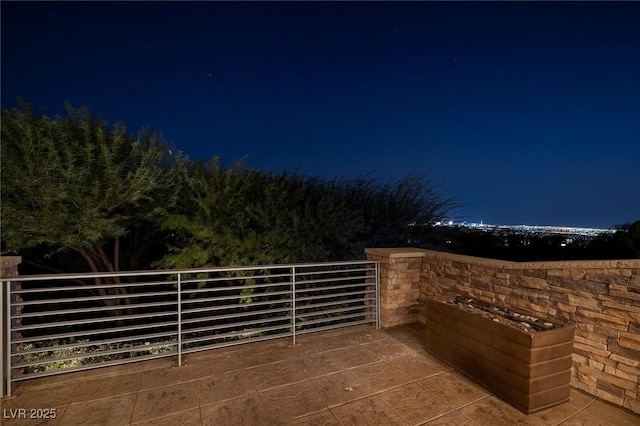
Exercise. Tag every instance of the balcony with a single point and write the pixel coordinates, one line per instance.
(311, 349)
(351, 375)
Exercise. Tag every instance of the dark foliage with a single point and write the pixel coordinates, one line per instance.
(80, 194)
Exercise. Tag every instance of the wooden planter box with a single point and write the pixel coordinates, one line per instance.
(529, 370)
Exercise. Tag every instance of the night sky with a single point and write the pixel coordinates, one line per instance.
(528, 112)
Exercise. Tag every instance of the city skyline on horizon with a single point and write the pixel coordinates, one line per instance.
(483, 225)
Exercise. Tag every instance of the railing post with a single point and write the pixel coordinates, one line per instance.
(179, 319)
(5, 338)
(8, 270)
(293, 304)
(377, 307)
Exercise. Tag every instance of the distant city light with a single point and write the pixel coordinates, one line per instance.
(533, 229)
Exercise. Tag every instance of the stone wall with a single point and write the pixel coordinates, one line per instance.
(601, 298)
(9, 266)
(400, 270)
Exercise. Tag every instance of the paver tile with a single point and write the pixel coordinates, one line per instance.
(493, 411)
(367, 411)
(114, 410)
(364, 336)
(455, 418)
(104, 386)
(388, 349)
(580, 399)
(586, 419)
(555, 415)
(169, 375)
(267, 354)
(225, 386)
(277, 374)
(214, 365)
(320, 364)
(324, 344)
(339, 388)
(352, 356)
(158, 402)
(190, 417)
(49, 397)
(418, 366)
(247, 410)
(454, 388)
(611, 413)
(292, 401)
(414, 403)
(323, 418)
(381, 376)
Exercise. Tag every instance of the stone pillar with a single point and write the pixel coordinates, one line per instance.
(8, 270)
(399, 284)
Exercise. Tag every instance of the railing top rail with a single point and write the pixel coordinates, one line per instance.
(25, 278)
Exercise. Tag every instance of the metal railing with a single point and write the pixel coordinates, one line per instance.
(61, 323)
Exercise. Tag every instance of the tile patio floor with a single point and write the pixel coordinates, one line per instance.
(352, 376)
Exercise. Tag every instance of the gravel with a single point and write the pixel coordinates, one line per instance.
(503, 315)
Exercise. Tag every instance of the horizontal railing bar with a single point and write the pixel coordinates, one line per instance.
(332, 279)
(311, 302)
(224, 333)
(234, 334)
(333, 302)
(237, 287)
(237, 296)
(237, 342)
(330, 287)
(308, 309)
(97, 331)
(332, 311)
(93, 298)
(52, 277)
(236, 305)
(232, 278)
(235, 324)
(334, 295)
(86, 343)
(347, 263)
(334, 326)
(90, 321)
(90, 287)
(325, 296)
(333, 271)
(95, 309)
(236, 315)
(338, 318)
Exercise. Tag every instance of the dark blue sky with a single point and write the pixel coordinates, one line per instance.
(528, 112)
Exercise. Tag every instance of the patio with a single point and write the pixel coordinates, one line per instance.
(354, 375)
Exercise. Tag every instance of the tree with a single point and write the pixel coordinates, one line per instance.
(623, 244)
(394, 213)
(240, 216)
(76, 183)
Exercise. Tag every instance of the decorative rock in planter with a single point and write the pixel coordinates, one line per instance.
(529, 369)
